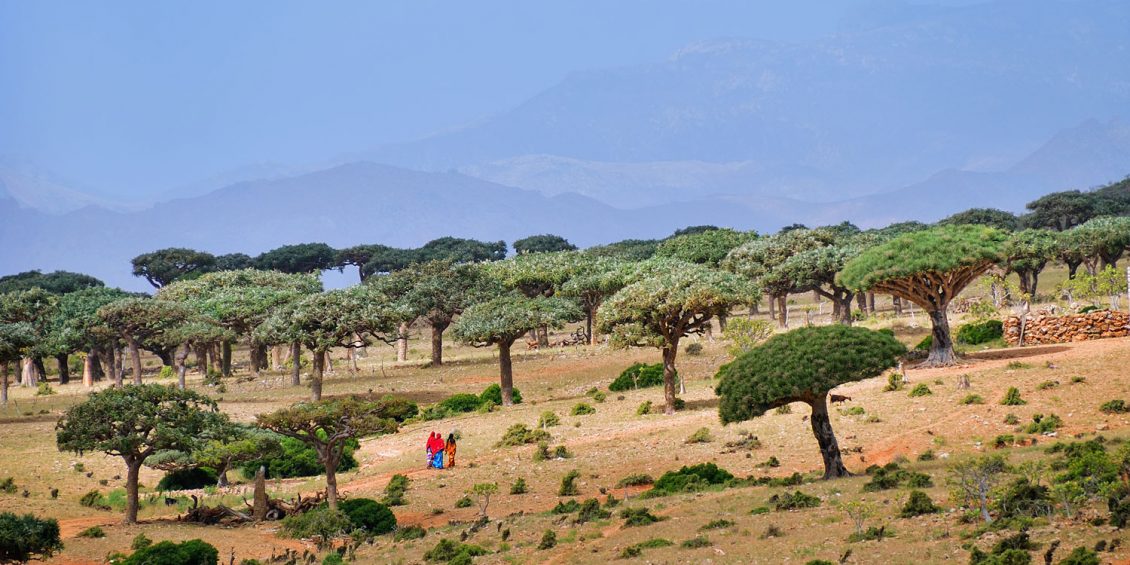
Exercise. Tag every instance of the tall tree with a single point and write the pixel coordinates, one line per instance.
(802, 366)
(358, 256)
(929, 268)
(544, 243)
(538, 274)
(1060, 210)
(461, 250)
(299, 258)
(142, 321)
(626, 250)
(671, 300)
(1103, 241)
(1026, 253)
(76, 326)
(135, 421)
(32, 310)
(816, 270)
(594, 281)
(164, 266)
(757, 261)
(327, 426)
(437, 292)
(501, 321)
(233, 262)
(58, 282)
(707, 247)
(991, 217)
(15, 339)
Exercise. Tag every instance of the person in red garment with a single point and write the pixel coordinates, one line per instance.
(430, 448)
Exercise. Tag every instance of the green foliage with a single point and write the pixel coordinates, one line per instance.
(369, 515)
(918, 504)
(519, 486)
(548, 540)
(802, 364)
(1117, 406)
(690, 479)
(462, 402)
(409, 533)
(991, 217)
(704, 248)
(188, 479)
(569, 484)
(43, 388)
(639, 375)
(94, 499)
(717, 524)
(298, 258)
(973, 399)
(1043, 424)
(164, 266)
(504, 319)
(746, 333)
(872, 533)
(8, 485)
(548, 419)
(58, 282)
(92, 532)
(297, 459)
(979, 332)
(493, 393)
(545, 243)
(520, 434)
(693, 349)
(191, 552)
(937, 250)
(1012, 397)
(920, 389)
(696, 543)
(448, 551)
(333, 558)
(644, 408)
(568, 507)
(464, 502)
(582, 409)
(23, 538)
(395, 490)
(635, 517)
(322, 521)
(637, 549)
(701, 435)
(591, 511)
(1081, 556)
(635, 480)
(793, 501)
(140, 541)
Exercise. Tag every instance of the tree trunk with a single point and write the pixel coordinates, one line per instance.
(112, 366)
(133, 468)
(896, 303)
(506, 373)
(319, 366)
(4, 383)
(871, 302)
(722, 317)
(64, 369)
(402, 342)
(253, 355)
(96, 364)
(437, 343)
(783, 310)
(331, 484)
(772, 307)
(845, 309)
(1072, 268)
(277, 358)
(861, 302)
(829, 448)
(225, 358)
(543, 336)
(28, 376)
(180, 361)
(754, 309)
(589, 315)
(135, 360)
(201, 354)
(296, 363)
(941, 350)
(88, 370)
(259, 510)
(669, 376)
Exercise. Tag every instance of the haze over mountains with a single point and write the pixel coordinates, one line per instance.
(910, 112)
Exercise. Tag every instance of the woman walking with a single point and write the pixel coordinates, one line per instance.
(449, 449)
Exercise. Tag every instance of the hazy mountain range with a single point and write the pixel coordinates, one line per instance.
(911, 112)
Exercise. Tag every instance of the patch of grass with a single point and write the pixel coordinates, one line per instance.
(771, 462)
(1078, 380)
(633, 551)
(519, 486)
(853, 411)
(448, 551)
(1012, 397)
(718, 524)
(793, 501)
(1114, 407)
(520, 434)
(701, 435)
(973, 399)
(920, 389)
(409, 533)
(582, 409)
(1017, 365)
(644, 409)
(1047, 385)
(395, 490)
(696, 543)
(92, 532)
(1011, 419)
(784, 409)
(8, 485)
(871, 534)
(693, 349)
(634, 480)
(773, 531)
(927, 455)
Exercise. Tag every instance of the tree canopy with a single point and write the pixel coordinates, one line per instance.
(544, 243)
(991, 217)
(143, 322)
(802, 365)
(707, 247)
(298, 258)
(58, 282)
(1026, 253)
(164, 266)
(1060, 210)
(134, 422)
(23, 538)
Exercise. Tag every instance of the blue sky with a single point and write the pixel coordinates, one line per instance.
(131, 98)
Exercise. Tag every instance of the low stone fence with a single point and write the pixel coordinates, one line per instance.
(1038, 330)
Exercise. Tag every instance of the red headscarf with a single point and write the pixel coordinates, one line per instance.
(431, 444)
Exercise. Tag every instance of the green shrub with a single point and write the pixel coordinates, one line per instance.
(493, 393)
(519, 486)
(635, 517)
(696, 542)
(333, 558)
(297, 459)
(569, 484)
(1114, 407)
(635, 550)
(872, 533)
(23, 538)
(44, 389)
(926, 343)
(701, 435)
(323, 522)
(886, 477)
(927, 455)
(1044, 424)
(92, 532)
(1011, 419)
(409, 533)
(191, 552)
(188, 479)
(395, 490)
(644, 408)
(894, 382)
(980, 332)
(1023, 498)
(464, 502)
(582, 409)
(369, 515)
(520, 434)
(448, 551)
(693, 349)
(639, 375)
(567, 507)
(973, 399)
(166, 372)
(793, 501)
(690, 479)
(548, 540)
(1046, 385)
(1008, 557)
(634, 480)
(1081, 556)
(1016, 365)
(548, 419)
(140, 541)
(920, 389)
(94, 499)
(718, 524)
(462, 402)
(1012, 397)
(918, 504)
(591, 511)
(8, 485)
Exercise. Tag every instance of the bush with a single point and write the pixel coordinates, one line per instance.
(636, 517)
(140, 541)
(1114, 407)
(582, 409)
(321, 521)
(1022, 497)
(166, 372)
(464, 502)
(92, 532)
(886, 477)
(462, 402)
(871, 534)
(639, 375)
(635, 480)
(695, 543)
(493, 393)
(447, 551)
(689, 479)
(1011, 419)
(1012, 397)
(25, 537)
(297, 459)
(333, 559)
(979, 332)
(1043, 424)
(793, 501)
(409, 533)
(693, 349)
(369, 515)
(644, 408)
(519, 486)
(702, 435)
(568, 507)
(926, 343)
(94, 499)
(44, 389)
(191, 552)
(718, 524)
(569, 484)
(548, 419)
(746, 333)
(590, 511)
(973, 399)
(894, 382)
(548, 540)
(920, 389)
(635, 550)
(520, 434)
(1081, 556)
(918, 504)
(395, 490)
(188, 479)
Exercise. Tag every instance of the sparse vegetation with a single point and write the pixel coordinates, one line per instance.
(1012, 397)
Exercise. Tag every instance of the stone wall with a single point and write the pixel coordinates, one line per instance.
(1065, 329)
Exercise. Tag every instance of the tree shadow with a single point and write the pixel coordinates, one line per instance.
(703, 404)
(1016, 352)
